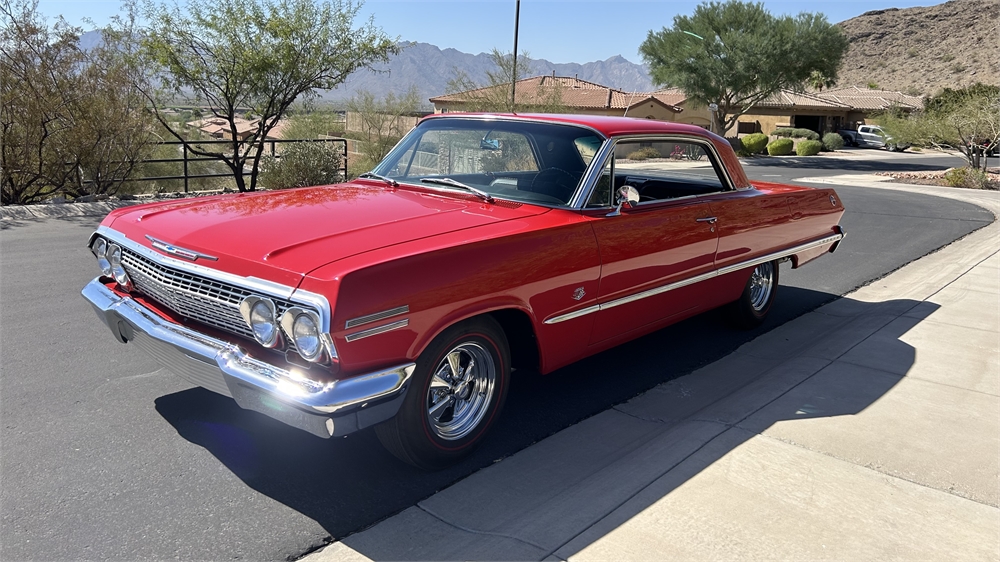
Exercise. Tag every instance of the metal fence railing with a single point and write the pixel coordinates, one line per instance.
(186, 158)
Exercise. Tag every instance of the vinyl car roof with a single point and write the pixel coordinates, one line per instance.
(608, 126)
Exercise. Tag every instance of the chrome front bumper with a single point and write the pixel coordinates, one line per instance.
(287, 395)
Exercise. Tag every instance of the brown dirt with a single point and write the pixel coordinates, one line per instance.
(922, 50)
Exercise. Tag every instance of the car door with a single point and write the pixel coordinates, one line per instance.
(667, 239)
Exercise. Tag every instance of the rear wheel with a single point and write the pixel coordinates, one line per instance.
(455, 396)
(758, 295)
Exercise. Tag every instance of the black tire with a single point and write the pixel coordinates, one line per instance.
(758, 296)
(469, 399)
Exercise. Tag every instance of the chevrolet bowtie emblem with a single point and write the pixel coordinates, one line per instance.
(578, 293)
(179, 252)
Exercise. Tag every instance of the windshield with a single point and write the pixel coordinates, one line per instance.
(516, 160)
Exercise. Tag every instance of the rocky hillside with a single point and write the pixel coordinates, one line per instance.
(922, 50)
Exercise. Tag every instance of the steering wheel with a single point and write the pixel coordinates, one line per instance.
(554, 182)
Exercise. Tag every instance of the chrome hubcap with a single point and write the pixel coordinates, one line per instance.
(460, 391)
(761, 285)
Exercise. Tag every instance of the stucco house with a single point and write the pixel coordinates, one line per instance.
(819, 111)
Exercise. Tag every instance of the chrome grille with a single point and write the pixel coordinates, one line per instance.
(192, 296)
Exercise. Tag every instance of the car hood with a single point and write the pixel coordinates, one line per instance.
(299, 230)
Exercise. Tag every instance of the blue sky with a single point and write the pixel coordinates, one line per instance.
(559, 31)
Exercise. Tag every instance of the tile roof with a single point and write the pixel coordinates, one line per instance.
(218, 125)
(588, 95)
(798, 100)
(574, 93)
(863, 98)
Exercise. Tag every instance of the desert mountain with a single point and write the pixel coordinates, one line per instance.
(922, 50)
(429, 68)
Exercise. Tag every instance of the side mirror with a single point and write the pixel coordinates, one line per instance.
(627, 197)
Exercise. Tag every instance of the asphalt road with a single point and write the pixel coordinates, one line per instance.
(107, 456)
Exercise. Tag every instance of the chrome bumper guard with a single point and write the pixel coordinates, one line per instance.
(325, 409)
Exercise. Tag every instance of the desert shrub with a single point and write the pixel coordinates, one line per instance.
(796, 133)
(780, 147)
(644, 153)
(808, 148)
(302, 164)
(968, 177)
(833, 141)
(755, 143)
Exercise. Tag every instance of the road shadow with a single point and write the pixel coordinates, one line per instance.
(350, 483)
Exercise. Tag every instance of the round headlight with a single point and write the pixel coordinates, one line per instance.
(100, 249)
(263, 323)
(305, 334)
(114, 254)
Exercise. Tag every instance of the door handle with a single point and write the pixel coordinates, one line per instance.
(709, 220)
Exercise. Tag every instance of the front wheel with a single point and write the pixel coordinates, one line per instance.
(758, 295)
(456, 394)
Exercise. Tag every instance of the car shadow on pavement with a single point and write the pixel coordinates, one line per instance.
(350, 483)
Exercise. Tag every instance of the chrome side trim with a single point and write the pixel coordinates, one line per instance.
(574, 314)
(377, 330)
(835, 238)
(270, 288)
(360, 320)
(227, 369)
(659, 290)
(781, 254)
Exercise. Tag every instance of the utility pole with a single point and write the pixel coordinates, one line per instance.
(513, 68)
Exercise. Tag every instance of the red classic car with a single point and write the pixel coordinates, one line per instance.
(402, 299)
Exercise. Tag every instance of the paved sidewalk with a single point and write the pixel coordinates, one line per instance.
(867, 429)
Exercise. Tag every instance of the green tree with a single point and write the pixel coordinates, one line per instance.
(380, 122)
(252, 56)
(313, 122)
(494, 95)
(737, 54)
(966, 120)
(70, 121)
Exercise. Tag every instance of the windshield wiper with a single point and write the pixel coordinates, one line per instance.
(453, 183)
(373, 175)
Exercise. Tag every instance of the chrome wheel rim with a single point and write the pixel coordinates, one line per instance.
(460, 392)
(761, 285)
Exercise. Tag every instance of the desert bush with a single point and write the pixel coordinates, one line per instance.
(808, 148)
(302, 164)
(970, 178)
(833, 141)
(644, 153)
(796, 133)
(780, 147)
(755, 143)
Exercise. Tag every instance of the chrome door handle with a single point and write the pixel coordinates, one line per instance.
(709, 220)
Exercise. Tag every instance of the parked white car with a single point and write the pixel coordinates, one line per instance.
(871, 136)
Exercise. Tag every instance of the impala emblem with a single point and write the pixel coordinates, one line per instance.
(179, 252)
(578, 293)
